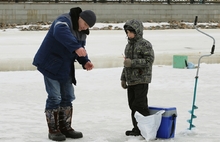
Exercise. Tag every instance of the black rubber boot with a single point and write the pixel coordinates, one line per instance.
(133, 132)
(53, 125)
(65, 123)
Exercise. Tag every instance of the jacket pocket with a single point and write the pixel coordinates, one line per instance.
(53, 64)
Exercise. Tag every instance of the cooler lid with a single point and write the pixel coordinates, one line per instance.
(162, 108)
(169, 111)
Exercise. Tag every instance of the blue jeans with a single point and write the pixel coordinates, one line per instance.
(60, 94)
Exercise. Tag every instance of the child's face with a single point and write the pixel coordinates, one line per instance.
(130, 34)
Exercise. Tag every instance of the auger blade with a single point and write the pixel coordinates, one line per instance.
(189, 121)
(195, 107)
(194, 116)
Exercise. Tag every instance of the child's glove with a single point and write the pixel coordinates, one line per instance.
(127, 62)
(124, 84)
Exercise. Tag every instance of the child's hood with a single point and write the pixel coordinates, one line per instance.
(136, 25)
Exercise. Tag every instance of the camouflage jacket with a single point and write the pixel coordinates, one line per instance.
(141, 53)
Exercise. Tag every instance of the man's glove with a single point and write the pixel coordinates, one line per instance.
(124, 85)
(127, 62)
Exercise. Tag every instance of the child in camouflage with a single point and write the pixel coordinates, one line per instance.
(137, 71)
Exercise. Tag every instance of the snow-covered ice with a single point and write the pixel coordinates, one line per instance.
(100, 110)
(105, 47)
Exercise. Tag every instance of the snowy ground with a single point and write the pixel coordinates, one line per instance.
(100, 109)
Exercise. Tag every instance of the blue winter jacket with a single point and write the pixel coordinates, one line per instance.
(56, 56)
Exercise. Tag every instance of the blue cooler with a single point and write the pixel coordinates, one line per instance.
(168, 121)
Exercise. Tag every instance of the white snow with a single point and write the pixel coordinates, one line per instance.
(100, 110)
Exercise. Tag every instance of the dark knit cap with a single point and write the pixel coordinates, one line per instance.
(89, 17)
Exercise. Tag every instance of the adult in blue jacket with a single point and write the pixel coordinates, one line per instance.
(63, 45)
